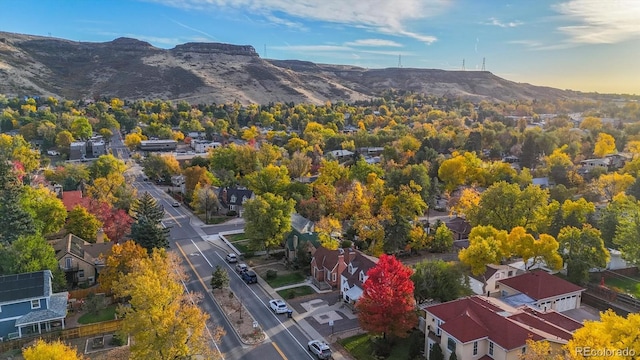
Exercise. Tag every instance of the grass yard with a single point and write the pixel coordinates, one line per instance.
(236, 237)
(361, 347)
(108, 313)
(296, 291)
(629, 286)
(285, 279)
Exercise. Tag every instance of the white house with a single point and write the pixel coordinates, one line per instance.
(492, 274)
(541, 290)
(354, 275)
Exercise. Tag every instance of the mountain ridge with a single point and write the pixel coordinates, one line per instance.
(132, 69)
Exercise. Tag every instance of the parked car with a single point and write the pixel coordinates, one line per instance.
(320, 349)
(278, 306)
(250, 277)
(53, 153)
(241, 267)
(175, 204)
(232, 258)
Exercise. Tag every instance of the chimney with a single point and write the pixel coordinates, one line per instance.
(100, 236)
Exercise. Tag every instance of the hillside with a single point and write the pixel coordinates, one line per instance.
(220, 73)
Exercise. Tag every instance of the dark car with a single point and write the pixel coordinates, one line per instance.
(250, 277)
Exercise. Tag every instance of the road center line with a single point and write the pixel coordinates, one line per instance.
(278, 350)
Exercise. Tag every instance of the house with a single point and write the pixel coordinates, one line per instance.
(80, 260)
(302, 235)
(77, 150)
(353, 277)
(543, 182)
(233, 199)
(590, 164)
(339, 154)
(28, 305)
(485, 328)
(327, 265)
(486, 284)
(202, 146)
(542, 290)
(459, 227)
(158, 145)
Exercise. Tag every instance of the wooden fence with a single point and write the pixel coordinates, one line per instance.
(104, 327)
(83, 293)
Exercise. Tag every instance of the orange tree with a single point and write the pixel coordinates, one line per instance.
(387, 305)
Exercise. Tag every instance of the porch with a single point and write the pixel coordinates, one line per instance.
(43, 321)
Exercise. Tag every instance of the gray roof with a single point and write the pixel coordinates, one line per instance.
(57, 310)
(25, 286)
(301, 224)
(517, 300)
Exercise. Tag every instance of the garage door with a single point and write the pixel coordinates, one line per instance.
(566, 303)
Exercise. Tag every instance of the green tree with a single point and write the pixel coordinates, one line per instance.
(106, 165)
(485, 247)
(48, 212)
(268, 219)
(81, 128)
(205, 201)
(272, 179)
(147, 230)
(505, 206)
(219, 278)
(582, 249)
(160, 167)
(440, 281)
(15, 221)
(83, 224)
(443, 239)
(31, 253)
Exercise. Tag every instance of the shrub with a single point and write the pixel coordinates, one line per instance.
(118, 340)
(272, 274)
(345, 244)
(291, 294)
(232, 213)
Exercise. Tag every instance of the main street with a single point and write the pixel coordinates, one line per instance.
(285, 339)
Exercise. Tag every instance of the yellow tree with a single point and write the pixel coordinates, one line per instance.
(163, 321)
(133, 140)
(616, 334)
(592, 124)
(329, 230)
(539, 350)
(121, 262)
(106, 189)
(610, 185)
(605, 145)
(460, 169)
(485, 247)
(469, 199)
(634, 148)
(54, 350)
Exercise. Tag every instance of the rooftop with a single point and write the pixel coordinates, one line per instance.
(539, 284)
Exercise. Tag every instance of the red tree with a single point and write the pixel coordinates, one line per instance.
(387, 305)
(116, 222)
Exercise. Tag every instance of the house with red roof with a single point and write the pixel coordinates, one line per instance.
(481, 327)
(541, 290)
(327, 265)
(353, 277)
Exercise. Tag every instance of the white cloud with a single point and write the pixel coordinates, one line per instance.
(601, 21)
(384, 16)
(313, 48)
(193, 29)
(374, 43)
(496, 22)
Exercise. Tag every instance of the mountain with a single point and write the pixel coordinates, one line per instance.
(220, 73)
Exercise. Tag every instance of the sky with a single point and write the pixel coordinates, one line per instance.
(585, 45)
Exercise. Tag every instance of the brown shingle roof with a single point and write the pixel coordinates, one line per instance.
(540, 285)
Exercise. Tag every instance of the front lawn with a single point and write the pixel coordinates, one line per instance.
(285, 279)
(108, 313)
(296, 291)
(629, 286)
(361, 346)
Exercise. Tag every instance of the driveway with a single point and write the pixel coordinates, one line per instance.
(320, 309)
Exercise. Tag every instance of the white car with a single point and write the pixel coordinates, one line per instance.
(241, 267)
(53, 153)
(320, 349)
(278, 306)
(232, 258)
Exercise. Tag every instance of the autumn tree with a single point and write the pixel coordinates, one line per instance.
(387, 305)
(460, 169)
(268, 219)
(402, 209)
(299, 165)
(120, 262)
(116, 223)
(194, 175)
(582, 249)
(47, 210)
(132, 141)
(42, 350)
(219, 278)
(83, 224)
(163, 320)
(105, 165)
(160, 167)
(81, 128)
(612, 332)
(610, 185)
(605, 145)
(539, 350)
(624, 219)
(329, 232)
(440, 281)
(485, 247)
(147, 229)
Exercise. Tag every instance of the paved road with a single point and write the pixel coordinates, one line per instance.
(285, 339)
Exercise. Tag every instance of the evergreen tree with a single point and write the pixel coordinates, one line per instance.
(436, 352)
(219, 278)
(14, 220)
(453, 356)
(147, 230)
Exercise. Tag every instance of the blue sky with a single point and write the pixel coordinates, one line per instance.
(588, 45)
